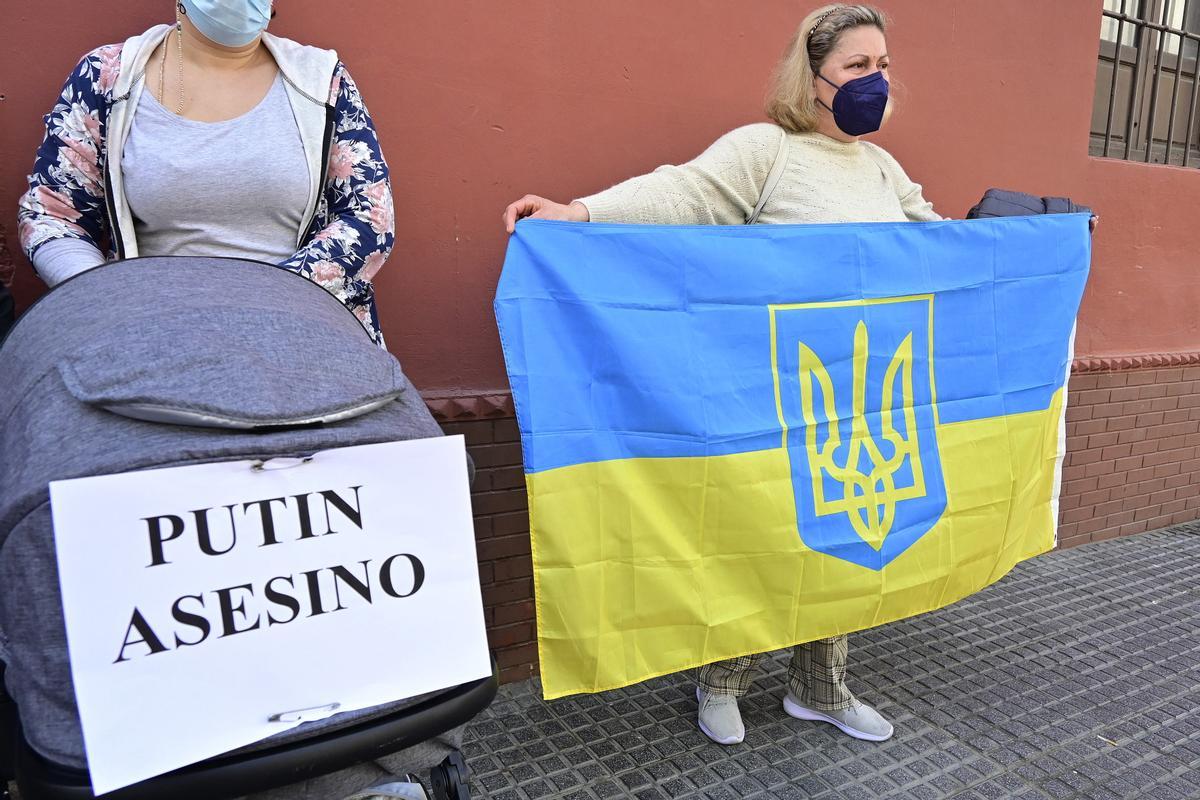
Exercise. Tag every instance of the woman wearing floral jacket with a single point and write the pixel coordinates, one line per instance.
(212, 137)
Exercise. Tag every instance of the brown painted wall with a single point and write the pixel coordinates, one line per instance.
(478, 102)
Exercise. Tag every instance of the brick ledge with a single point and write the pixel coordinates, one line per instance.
(464, 407)
(1144, 361)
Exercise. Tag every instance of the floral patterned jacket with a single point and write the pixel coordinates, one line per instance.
(348, 230)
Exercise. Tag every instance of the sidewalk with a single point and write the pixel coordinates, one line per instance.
(1077, 676)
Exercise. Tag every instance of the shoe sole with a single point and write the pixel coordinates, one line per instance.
(711, 735)
(800, 712)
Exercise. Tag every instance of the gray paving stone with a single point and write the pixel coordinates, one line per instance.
(1076, 677)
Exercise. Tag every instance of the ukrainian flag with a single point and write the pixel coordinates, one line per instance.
(742, 438)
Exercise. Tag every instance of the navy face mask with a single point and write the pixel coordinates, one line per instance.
(859, 104)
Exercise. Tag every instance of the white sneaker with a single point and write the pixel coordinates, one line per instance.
(859, 720)
(719, 717)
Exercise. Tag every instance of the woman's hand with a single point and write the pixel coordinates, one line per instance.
(540, 208)
(1093, 222)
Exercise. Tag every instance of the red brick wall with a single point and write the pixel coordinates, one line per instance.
(1133, 441)
(502, 541)
(1133, 465)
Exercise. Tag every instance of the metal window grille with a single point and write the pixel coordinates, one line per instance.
(1147, 102)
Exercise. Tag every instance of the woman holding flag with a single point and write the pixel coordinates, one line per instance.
(809, 164)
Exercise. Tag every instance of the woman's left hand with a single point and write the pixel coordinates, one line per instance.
(1092, 223)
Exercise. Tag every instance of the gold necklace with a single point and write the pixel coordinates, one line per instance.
(162, 66)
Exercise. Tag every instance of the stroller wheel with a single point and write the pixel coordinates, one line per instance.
(451, 778)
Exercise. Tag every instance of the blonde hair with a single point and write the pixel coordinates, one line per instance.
(791, 100)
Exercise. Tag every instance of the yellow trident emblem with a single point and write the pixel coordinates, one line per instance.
(869, 497)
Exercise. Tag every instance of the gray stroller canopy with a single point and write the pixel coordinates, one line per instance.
(157, 362)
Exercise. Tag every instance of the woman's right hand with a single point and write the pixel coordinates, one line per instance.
(540, 208)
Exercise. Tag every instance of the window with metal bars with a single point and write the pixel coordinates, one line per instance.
(1147, 103)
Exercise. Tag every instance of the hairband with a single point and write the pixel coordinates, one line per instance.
(820, 19)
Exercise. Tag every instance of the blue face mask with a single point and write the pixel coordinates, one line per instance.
(233, 23)
(859, 104)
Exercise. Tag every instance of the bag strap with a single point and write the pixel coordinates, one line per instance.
(781, 159)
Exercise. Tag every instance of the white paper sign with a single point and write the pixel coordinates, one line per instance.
(202, 602)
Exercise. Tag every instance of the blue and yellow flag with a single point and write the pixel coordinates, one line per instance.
(742, 438)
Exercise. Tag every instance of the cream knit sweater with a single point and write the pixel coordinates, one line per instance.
(824, 181)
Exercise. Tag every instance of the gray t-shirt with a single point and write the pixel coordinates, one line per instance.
(235, 188)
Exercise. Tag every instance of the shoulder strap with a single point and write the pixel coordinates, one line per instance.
(781, 158)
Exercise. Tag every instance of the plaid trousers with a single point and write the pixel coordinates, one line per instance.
(816, 674)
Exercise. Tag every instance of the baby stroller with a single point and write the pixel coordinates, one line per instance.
(157, 362)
